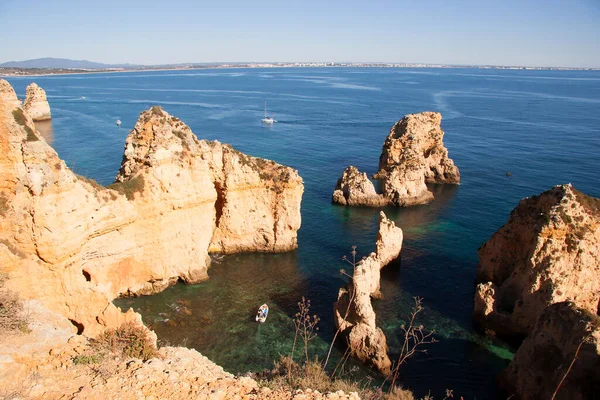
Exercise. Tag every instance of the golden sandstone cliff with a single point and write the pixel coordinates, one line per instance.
(547, 252)
(413, 155)
(540, 277)
(36, 104)
(75, 245)
(354, 314)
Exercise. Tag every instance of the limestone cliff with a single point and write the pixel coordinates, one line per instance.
(76, 245)
(354, 313)
(36, 104)
(355, 189)
(8, 95)
(413, 154)
(547, 252)
(561, 331)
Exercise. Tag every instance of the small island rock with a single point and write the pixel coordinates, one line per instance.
(355, 189)
(36, 103)
(413, 154)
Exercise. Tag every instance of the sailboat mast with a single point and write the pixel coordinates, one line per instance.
(265, 109)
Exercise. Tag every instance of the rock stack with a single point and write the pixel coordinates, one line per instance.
(413, 155)
(354, 314)
(36, 105)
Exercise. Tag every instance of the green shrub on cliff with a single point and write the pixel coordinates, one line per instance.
(128, 340)
(130, 187)
(19, 117)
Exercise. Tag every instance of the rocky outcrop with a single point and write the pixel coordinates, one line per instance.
(355, 189)
(354, 314)
(563, 333)
(75, 245)
(50, 362)
(8, 95)
(36, 105)
(413, 154)
(548, 252)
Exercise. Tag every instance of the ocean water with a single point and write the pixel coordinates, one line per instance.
(542, 126)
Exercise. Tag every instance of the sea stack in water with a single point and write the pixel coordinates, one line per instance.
(176, 198)
(413, 154)
(354, 314)
(563, 334)
(547, 252)
(36, 105)
(355, 189)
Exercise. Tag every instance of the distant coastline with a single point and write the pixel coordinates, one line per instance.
(12, 71)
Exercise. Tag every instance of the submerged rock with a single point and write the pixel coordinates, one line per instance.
(36, 103)
(413, 154)
(547, 252)
(175, 199)
(563, 333)
(354, 314)
(355, 189)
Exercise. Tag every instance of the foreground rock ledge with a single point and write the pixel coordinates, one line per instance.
(75, 245)
(547, 252)
(354, 314)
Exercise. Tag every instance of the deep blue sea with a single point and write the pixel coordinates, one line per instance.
(542, 126)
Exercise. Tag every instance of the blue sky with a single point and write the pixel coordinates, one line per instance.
(502, 32)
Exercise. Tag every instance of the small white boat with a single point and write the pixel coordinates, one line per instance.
(118, 122)
(261, 315)
(267, 120)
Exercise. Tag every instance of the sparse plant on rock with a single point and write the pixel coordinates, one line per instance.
(12, 313)
(128, 340)
(415, 337)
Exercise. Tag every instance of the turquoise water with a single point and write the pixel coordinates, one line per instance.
(542, 126)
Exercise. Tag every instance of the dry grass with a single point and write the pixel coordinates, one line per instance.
(13, 317)
(19, 117)
(128, 340)
(289, 375)
(130, 187)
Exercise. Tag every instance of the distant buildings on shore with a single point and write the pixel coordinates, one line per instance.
(10, 71)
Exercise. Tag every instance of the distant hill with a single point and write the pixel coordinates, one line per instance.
(49, 62)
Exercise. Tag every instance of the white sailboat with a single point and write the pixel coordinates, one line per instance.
(267, 120)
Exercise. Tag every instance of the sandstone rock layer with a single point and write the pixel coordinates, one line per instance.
(75, 245)
(547, 252)
(36, 103)
(561, 331)
(354, 314)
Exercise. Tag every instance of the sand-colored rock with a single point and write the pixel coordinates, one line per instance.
(413, 154)
(545, 356)
(8, 95)
(547, 252)
(42, 364)
(355, 189)
(176, 199)
(36, 103)
(366, 341)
